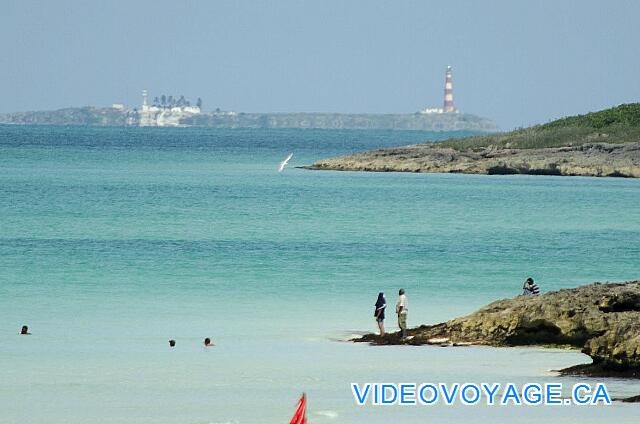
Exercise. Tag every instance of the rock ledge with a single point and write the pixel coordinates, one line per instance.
(603, 320)
(590, 159)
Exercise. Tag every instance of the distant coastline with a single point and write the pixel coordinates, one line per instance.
(177, 111)
(92, 116)
(600, 144)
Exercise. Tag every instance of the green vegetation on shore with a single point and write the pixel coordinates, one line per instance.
(617, 125)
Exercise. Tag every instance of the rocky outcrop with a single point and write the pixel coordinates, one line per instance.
(601, 319)
(590, 159)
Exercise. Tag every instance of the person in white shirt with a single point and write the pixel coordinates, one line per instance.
(402, 308)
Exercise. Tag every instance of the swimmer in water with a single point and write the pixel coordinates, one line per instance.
(208, 343)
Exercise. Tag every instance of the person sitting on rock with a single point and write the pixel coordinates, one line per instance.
(530, 288)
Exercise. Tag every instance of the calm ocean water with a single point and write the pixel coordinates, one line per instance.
(114, 240)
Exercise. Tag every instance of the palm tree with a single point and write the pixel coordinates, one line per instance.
(199, 103)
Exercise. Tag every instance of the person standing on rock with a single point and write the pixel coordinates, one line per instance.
(402, 308)
(530, 288)
(381, 305)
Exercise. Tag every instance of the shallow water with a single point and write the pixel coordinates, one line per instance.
(114, 240)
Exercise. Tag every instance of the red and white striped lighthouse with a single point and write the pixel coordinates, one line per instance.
(448, 93)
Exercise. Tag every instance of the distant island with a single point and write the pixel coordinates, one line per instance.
(183, 116)
(604, 143)
(415, 121)
(177, 111)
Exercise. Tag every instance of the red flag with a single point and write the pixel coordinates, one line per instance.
(300, 417)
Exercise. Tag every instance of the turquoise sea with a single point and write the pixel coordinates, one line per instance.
(115, 240)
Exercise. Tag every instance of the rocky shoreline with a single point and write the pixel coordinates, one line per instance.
(603, 320)
(590, 159)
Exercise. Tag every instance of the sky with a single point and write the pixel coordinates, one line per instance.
(516, 62)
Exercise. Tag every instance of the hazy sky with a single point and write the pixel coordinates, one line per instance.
(518, 62)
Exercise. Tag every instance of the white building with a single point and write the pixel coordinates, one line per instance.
(430, 110)
(161, 116)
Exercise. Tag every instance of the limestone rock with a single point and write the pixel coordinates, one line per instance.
(601, 319)
(591, 159)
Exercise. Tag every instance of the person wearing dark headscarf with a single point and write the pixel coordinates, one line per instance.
(381, 304)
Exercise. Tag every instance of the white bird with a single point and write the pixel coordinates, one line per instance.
(285, 162)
